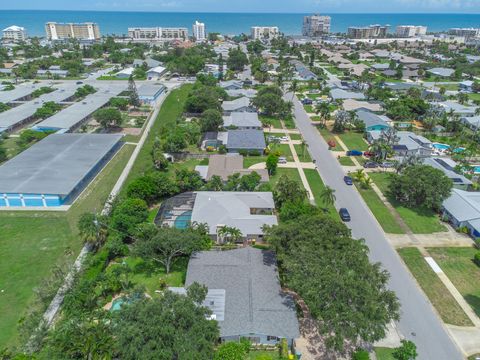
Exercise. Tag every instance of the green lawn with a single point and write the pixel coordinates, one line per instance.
(384, 353)
(291, 173)
(317, 186)
(346, 161)
(419, 220)
(252, 160)
(442, 300)
(302, 152)
(31, 244)
(309, 108)
(462, 271)
(327, 135)
(171, 110)
(263, 355)
(380, 211)
(11, 146)
(271, 120)
(474, 96)
(284, 149)
(295, 136)
(353, 141)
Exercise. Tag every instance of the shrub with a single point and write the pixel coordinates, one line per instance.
(116, 248)
(476, 258)
(283, 349)
(360, 355)
(254, 153)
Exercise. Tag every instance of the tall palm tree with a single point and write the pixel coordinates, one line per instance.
(92, 229)
(229, 234)
(328, 196)
(293, 87)
(359, 175)
(323, 110)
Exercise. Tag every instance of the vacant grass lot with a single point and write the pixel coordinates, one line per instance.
(31, 244)
(317, 186)
(380, 211)
(302, 152)
(458, 265)
(354, 141)
(419, 220)
(442, 300)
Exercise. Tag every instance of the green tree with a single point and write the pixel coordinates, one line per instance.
(237, 60)
(232, 350)
(92, 229)
(272, 164)
(288, 189)
(160, 162)
(180, 325)
(175, 141)
(420, 186)
(346, 294)
(249, 182)
(108, 117)
(328, 196)
(211, 120)
(127, 215)
(132, 89)
(229, 234)
(188, 180)
(407, 351)
(46, 110)
(168, 244)
(214, 184)
(119, 103)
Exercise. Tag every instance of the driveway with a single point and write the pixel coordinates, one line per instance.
(419, 321)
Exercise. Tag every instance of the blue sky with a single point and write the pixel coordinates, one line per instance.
(288, 6)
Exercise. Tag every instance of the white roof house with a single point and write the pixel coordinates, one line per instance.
(156, 73)
(462, 208)
(125, 73)
(242, 120)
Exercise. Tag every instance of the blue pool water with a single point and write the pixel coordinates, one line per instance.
(117, 304)
(476, 169)
(441, 146)
(183, 221)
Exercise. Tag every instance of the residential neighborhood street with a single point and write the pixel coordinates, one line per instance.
(418, 322)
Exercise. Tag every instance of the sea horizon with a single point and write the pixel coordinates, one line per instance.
(117, 22)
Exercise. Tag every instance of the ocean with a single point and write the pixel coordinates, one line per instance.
(224, 23)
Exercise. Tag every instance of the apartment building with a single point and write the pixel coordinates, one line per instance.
(264, 33)
(467, 33)
(14, 34)
(408, 31)
(316, 25)
(367, 32)
(199, 32)
(157, 34)
(81, 31)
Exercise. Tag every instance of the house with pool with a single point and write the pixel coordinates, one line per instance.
(372, 121)
(408, 143)
(248, 212)
(244, 295)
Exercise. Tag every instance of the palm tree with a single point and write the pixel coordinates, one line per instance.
(359, 175)
(293, 87)
(92, 230)
(229, 234)
(328, 196)
(323, 110)
(367, 182)
(303, 145)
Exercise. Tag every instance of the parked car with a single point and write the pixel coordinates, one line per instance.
(354, 153)
(79, 82)
(307, 101)
(370, 165)
(344, 214)
(368, 153)
(282, 160)
(386, 164)
(348, 180)
(284, 138)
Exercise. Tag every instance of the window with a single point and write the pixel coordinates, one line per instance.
(272, 338)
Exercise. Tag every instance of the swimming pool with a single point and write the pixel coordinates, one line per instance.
(117, 304)
(183, 221)
(441, 146)
(476, 169)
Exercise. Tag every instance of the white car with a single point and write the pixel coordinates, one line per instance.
(284, 138)
(282, 160)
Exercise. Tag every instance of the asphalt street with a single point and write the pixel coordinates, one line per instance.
(418, 322)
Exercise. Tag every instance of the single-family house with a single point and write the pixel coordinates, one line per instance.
(458, 109)
(231, 85)
(303, 72)
(242, 104)
(226, 165)
(441, 72)
(462, 209)
(372, 121)
(466, 86)
(249, 93)
(340, 94)
(124, 73)
(156, 73)
(473, 122)
(244, 295)
(447, 166)
(473, 58)
(352, 104)
(408, 143)
(150, 63)
(242, 120)
(56, 73)
(399, 86)
(237, 141)
(380, 66)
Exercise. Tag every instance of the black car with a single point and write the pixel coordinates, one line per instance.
(348, 180)
(79, 82)
(344, 214)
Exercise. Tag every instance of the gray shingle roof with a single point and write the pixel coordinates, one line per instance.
(463, 205)
(444, 72)
(236, 104)
(337, 94)
(447, 166)
(254, 302)
(242, 119)
(245, 139)
(371, 119)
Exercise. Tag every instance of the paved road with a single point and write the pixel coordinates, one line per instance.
(417, 315)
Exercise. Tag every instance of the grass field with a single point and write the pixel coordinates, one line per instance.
(171, 110)
(309, 109)
(263, 355)
(295, 136)
(317, 186)
(354, 141)
(327, 135)
(346, 161)
(458, 265)
(474, 96)
(380, 211)
(419, 220)
(270, 120)
(303, 153)
(384, 353)
(291, 173)
(252, 160)
(284, 149)
(31, 244)
(442, 300)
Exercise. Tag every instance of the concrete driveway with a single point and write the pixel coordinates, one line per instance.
(419, 322)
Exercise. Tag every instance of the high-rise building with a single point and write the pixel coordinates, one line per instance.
(367, 32)
(199, 32)
(407, 31)
(264, 33)
(465, 32)
(157, 34)
(80, 31)
(316, 25)
(14, 34)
